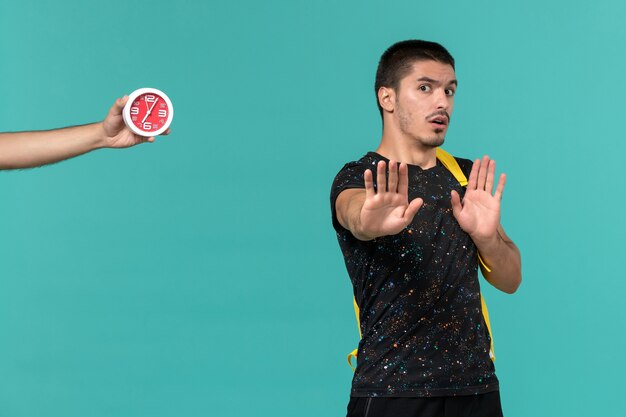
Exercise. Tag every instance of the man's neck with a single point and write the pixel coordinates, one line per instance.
(398, 147)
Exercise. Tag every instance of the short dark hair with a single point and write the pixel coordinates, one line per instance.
(396, 62)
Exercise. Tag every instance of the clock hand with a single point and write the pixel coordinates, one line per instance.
(150, 110)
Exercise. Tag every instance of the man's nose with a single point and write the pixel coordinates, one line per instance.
(441, 99)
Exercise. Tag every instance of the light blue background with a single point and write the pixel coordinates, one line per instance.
(200, 275)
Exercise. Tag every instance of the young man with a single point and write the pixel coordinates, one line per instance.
(32, 149)
(411, 235)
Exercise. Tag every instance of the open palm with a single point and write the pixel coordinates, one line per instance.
(479, 212)
(386, 210)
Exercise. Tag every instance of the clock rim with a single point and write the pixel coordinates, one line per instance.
(127, 117)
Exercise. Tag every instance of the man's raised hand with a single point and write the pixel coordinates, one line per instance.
(479, 212)
(386, 209)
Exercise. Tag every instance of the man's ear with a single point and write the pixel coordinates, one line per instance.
(387, 99)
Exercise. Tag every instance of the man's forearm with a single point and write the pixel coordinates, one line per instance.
(504, 260)
(36, 148)
(351, 218)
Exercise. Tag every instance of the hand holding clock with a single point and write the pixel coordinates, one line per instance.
(116, 133)
(36, 148)
(123, 127)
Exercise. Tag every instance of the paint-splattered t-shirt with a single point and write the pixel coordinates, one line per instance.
(423, 330)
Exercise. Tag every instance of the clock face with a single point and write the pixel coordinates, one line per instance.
(148, 112)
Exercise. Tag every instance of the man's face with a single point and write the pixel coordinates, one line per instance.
(424, 102)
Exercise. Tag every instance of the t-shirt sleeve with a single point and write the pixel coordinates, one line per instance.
(350, 176)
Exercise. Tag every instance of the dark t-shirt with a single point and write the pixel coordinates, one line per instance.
(423, 330)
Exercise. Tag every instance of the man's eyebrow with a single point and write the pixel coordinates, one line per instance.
(430, 80)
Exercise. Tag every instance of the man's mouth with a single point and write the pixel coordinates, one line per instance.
(439, 120)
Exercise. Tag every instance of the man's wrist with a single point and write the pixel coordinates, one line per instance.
(488, 244)
(100, 138)
(359, 233)
(362, 236)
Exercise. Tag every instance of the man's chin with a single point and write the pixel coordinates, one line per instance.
(433, 142)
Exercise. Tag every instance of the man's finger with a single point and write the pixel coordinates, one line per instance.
(116, 108)
(119, 104)
(403, 179)
(412, 209)
(500, 187)
(393, 177)
(482, 173)
(491, 172)
(457, 207)
(381, 177)
(471, 182)
(369, 184)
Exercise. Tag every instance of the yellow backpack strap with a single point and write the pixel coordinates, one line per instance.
(492, 352)
(452, 165)
(483, 263)
(357, 313)
(352, 354)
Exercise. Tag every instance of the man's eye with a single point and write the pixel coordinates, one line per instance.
(425, 88)
(450, 92)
